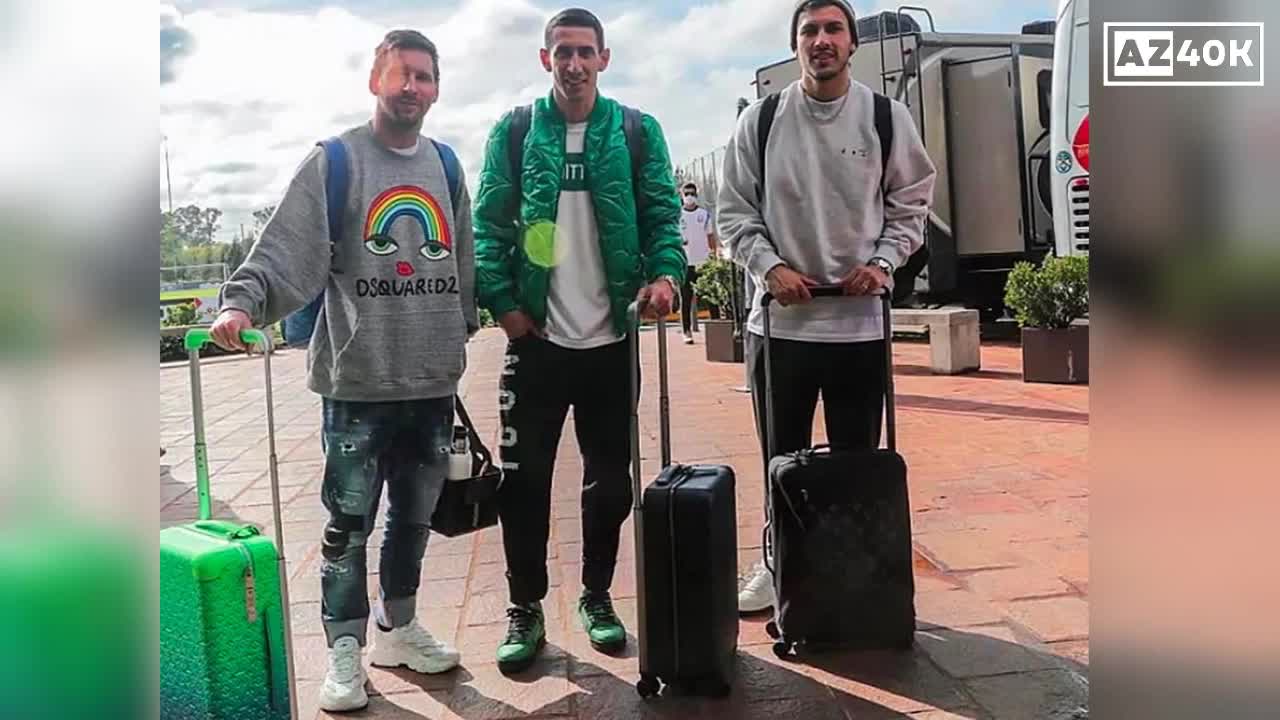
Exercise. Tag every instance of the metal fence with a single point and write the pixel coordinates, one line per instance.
(704, 171)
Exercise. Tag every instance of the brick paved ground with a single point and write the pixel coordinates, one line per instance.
(1000, 509)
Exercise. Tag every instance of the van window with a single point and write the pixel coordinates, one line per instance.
(1078, 87)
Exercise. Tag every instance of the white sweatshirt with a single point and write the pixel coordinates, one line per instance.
(823, 213)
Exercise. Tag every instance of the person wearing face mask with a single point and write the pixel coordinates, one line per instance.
(699, 243)
(392, 265)
(814, 207)
(577, 218)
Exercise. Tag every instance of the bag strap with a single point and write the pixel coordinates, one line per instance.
(884, 129)
(768, 109)
(452, 170)
(633, 132)
(521, 119)
(337, 178)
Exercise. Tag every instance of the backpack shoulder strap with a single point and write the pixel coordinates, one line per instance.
(452, 170)
(633, 132)
(884, 129)
(768, 109)
(521, 119)
(337, 178)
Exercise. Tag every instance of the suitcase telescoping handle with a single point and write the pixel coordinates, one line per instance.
(825, 291)
(195, 340)
(664, 432)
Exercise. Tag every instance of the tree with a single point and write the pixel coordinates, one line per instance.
(260, 218)
(196, 226)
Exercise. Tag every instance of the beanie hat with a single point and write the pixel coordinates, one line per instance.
(803, 5)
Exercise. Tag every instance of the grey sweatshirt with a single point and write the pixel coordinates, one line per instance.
(823, 211)
(399, 286)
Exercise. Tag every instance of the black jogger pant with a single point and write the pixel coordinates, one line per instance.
(850, 377)
(540, 382)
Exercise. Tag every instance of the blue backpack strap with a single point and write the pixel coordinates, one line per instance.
(452, 170)
(337, 178)
(298, 327)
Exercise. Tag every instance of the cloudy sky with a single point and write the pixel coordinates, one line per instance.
(247, 86)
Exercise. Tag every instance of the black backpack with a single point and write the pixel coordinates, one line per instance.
(904, 278)
(632, 128)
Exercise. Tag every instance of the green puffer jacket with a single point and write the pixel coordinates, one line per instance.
(637, 248)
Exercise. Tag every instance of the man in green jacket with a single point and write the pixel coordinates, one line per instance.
(568, 234)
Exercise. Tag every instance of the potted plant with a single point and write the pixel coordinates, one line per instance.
(714, 289)
(1047, 301)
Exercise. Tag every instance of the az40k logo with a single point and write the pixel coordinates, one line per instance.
(1221, 53)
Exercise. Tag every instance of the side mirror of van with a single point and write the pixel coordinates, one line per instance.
(1044, 92)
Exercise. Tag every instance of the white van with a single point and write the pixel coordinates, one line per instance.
(1069, 130)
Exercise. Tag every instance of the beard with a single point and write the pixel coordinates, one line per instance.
(401, 116)
(830, 67)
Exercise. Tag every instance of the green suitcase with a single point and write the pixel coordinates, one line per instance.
(224, 631)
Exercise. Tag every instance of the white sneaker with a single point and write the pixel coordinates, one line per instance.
(414, 648)
(343, 688)
(688, 338)
(757, 594)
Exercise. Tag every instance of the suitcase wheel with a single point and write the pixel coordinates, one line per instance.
(782, 649)
(647, 686)
(771, 628)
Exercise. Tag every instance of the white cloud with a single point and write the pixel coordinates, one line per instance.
(260, 88)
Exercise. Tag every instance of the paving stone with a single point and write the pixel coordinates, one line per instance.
(1053, 619)
(954, 609)
(978, 651)
(1046, 695)
(1015, 583)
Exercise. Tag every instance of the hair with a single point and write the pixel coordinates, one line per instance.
(407, 40)
(804, 5)
(689, 186)
(574, 17)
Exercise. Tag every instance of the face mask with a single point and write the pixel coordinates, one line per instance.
(690, 200)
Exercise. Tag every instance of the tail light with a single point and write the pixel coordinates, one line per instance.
(1080, 143)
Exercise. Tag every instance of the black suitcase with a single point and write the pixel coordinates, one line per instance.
(840, 533)
(686, 560)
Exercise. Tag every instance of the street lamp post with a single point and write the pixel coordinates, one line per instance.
(167, 179)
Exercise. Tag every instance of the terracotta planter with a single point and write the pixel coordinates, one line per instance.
(721, 345)
(1055, 355)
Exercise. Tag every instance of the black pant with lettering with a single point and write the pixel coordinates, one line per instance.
(850, 377)
(540, 382)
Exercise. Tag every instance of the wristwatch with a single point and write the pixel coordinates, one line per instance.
(883, 264)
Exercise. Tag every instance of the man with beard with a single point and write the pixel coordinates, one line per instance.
(814, 207)
(577, 218)
(386, 363)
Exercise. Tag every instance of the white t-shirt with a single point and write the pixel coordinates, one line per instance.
(695, 225)
(578, 314)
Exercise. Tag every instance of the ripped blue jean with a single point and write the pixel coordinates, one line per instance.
(403, 445)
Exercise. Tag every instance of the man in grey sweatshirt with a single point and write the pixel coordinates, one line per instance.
(823, 213)
(386, 354)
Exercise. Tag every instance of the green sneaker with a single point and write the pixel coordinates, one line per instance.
(603, 627)
(526, 634)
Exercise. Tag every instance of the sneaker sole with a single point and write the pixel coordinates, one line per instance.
(416, 664)
(507, 667)
(608, 648)
(359, 703)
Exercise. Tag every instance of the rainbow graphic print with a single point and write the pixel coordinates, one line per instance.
(414, 202)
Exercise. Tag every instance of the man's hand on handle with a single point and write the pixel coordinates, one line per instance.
(226, 329)
(789, 287)
(657, 298)
(517, 323)
(864, 280)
